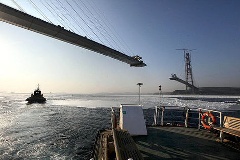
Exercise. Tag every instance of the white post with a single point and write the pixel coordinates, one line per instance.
(221, 119)
(139, 84)
(155, 116)
(186, 118)
(139, 102)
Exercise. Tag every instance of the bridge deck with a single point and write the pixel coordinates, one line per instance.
(20, 19)
(183, 82)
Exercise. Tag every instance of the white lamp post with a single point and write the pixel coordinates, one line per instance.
(139, 84)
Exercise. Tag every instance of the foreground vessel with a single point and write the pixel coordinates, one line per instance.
(176, 138)
(36, 97)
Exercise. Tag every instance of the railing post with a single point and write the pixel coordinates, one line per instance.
(199, 118)
(113, 119)
(186, 117)
(156, 115)
(163, 108)
(221, 119)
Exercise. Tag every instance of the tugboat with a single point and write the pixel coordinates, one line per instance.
(36, 97)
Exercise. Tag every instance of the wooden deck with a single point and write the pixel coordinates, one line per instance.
(183, 143)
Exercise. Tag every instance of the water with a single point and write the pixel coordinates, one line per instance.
(65, 127)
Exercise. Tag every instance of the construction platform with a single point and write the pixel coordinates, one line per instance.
(183, 143)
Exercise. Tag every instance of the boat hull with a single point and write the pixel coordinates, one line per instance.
(36, 100)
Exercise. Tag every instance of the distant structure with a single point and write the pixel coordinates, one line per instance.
(190, 88)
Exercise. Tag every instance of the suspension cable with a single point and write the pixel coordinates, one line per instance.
(112, 29)
(19, 7)
(53, 12)
(65, 25)
(86, 22)
(61, 5)
(73, 18)
(39, 11)
(50, 11)
(102, 27)
(101, 32)
(64, 20)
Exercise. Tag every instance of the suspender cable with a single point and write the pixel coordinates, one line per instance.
(39, 11)
(19, 7)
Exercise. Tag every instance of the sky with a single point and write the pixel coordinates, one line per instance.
(152, 29)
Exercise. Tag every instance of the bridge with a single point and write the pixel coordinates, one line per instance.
(174, 77)
(26, 21)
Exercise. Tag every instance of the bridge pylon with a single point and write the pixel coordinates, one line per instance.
(188, 71)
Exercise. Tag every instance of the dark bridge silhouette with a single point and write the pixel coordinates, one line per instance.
(174, 77)
(21, 19)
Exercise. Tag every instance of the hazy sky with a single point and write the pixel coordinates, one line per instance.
(153, 29)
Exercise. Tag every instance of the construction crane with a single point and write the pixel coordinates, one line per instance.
(188, 72)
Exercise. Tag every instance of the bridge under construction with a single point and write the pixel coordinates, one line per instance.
(190, 87)
(26, 21)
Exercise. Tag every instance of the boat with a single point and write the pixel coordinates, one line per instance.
(36, 97)
(238, 101)
(129, 139)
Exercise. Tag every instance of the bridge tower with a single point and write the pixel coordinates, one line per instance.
(188, 68)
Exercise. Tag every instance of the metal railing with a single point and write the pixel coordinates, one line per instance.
(183, 116)
(217, 115)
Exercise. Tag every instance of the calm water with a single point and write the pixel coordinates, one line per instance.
(65, 127)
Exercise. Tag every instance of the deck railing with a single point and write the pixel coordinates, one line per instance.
(182, 116)
(217, 115)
